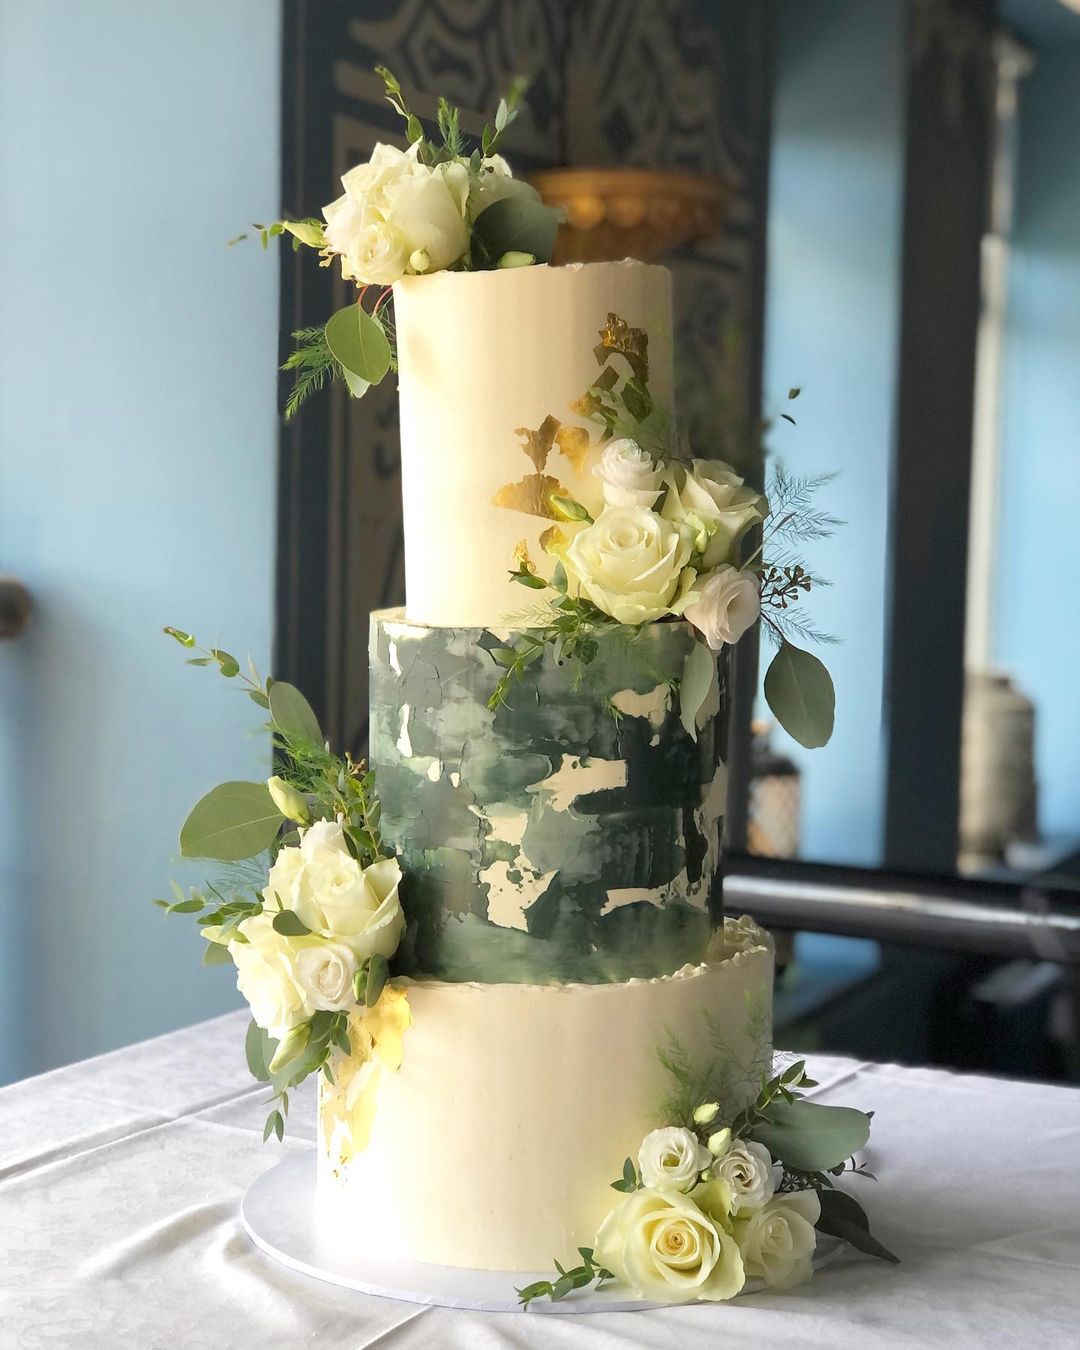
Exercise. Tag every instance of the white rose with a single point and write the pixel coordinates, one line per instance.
(324, 971)
(716, 505)
(664, 1247)
(672, 1158)
(629, 476)
(267, 976)
(746, 1169)
(334, 896)
(630, 563)
(777, 1243)
(729, 601)
(493, 182)
(393, 208)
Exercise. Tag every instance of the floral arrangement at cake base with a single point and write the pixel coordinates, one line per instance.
(711, 1205)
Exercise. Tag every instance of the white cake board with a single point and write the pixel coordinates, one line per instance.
(278, 1214)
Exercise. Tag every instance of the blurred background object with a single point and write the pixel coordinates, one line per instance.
(877, 204)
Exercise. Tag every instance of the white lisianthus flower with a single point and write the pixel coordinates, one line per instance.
(716, 505)
(395, 207)
(746, 1169)
(324, 972)
(628, 473)
(334, 896)
(672, 1159)
(728, 602)
(630, 563)
(777, 1243)
(665, 1248)
(493, 182)
(267, 976)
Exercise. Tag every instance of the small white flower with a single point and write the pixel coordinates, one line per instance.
(719, 1143)
(324, 971)
(706, 1113)
(628, 473)
(630, 563)
(728, 602)
(672, 1159)
(746, 1168)
(493, 182)
(714, 503)
(267, 976)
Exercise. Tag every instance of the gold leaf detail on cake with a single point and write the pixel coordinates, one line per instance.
(537, 444)
(632, 343)
(553, 539)
(376, 1041)
(588, 405)
(532, 494)
(574, 444)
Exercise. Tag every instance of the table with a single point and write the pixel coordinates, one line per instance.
(121, 1178)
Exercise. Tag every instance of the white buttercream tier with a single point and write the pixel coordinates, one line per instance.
(481, 354)
(495, 1144)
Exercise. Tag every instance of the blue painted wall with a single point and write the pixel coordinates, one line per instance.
(137, 487)
(832, 323)
(1036, 635)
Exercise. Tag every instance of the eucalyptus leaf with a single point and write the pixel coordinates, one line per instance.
(289, 924)
(378, 972)
(259, 1048)
(698, 678)
(359, 342)
(292, 714)
(843, 1217)
(356, 386)
(799, 690)
(809, 1137)
(514, 225)
(216, 954)
(232, 822)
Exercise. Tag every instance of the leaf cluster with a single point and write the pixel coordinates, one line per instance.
(578, 1277)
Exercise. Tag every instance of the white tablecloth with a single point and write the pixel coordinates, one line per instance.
(121, 1178)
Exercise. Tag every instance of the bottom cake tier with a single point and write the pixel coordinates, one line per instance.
(481, 1126)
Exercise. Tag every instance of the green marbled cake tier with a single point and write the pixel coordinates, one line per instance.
(545, 842)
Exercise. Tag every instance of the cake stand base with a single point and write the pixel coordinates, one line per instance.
(278, 1214)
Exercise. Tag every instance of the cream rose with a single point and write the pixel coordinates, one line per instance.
(663, 1246)
(395, 209)
(334, 896)
(628, 473)
(324, 972)
(777, 1243)
(630, 563)
(267, 976)
(729, 601)
(672, 1158)
(746, 1169)
(716, 506)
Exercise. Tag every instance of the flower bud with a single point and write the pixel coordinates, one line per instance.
(292, 804)
(291, 1046)
(515, 259)
(719, 1143)
(706, 1113)
(419, 260)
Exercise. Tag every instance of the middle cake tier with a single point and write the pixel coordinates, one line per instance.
(552, 838)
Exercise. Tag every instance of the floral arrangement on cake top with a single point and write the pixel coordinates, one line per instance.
(717, 1202)
(673, 537)
(307, 908)
(437, 205)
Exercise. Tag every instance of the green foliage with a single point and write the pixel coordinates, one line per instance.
(514, 225)
(579, 1277)
(358, 341)
(799, 690)
(232, 821)
(314, 364)
(698, 678)
(629, 1181)
(259, 1047)
(843, 1217)
(809, 1137)
(292, 714)
(506, 112)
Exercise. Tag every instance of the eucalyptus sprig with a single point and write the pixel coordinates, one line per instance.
(566, 1281)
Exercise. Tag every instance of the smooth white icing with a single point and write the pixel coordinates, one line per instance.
(494, 1145)
(479, 355)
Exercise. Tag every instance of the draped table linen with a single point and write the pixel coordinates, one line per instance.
(121, 1180)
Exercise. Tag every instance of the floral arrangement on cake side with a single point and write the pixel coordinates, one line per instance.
(673, 537)
(306, 907)
(438, 205)
(718, 1202)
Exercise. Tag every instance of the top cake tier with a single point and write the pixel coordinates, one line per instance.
(490, 364)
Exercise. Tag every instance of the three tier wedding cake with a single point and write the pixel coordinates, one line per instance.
(500, 943)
